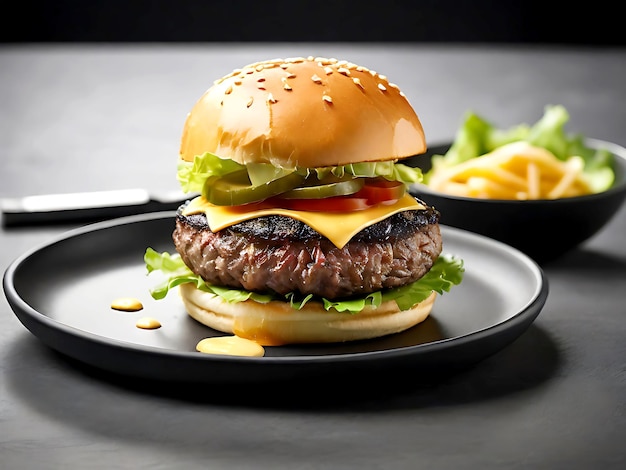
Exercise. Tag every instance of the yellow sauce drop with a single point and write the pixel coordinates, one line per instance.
(148, 323)
(127, 304)
(230, 346)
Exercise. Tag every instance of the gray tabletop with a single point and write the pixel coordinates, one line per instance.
(77, 118)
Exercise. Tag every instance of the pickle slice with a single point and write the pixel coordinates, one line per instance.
(235, 188)
(328, 187)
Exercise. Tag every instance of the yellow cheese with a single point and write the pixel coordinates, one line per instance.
(338, 227)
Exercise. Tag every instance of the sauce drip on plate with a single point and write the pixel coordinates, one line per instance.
(148, 323)
(231, 346)
(127, 304)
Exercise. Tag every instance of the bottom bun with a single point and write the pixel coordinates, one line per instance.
(275, 323)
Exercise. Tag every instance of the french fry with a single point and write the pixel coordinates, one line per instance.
(533, 177)
(572, 169)
(489, 189)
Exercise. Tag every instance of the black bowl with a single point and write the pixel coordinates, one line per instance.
(543, 229)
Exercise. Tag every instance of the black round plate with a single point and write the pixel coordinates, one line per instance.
(62, 292)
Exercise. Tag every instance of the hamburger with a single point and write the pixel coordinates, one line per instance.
(304, 230)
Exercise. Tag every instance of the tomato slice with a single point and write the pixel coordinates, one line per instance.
(328, 204)
(377, 190)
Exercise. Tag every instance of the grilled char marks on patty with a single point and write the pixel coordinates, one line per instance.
(281, 254)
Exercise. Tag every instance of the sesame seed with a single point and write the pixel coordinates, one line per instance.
(382, 77)
(328, 70)
(287, 87)
(327, 98)
(344, 71)
(382, 87)
(357, 82)
(394, 86)
(259, 67)
(249, 103)
(237, 82)
(291, 75)
(260, 79)
(228, 90)
(271, 99)
(316, 79)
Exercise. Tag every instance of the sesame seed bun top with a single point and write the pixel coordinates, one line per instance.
(303, 112)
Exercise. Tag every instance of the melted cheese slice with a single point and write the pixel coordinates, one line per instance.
(338, 227)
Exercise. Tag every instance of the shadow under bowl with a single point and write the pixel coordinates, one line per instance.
(543, 229)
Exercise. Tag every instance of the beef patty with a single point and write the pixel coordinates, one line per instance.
(280, 254)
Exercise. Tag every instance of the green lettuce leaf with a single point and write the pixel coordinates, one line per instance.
(447, 271)
(192, 175)
(477, 136)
